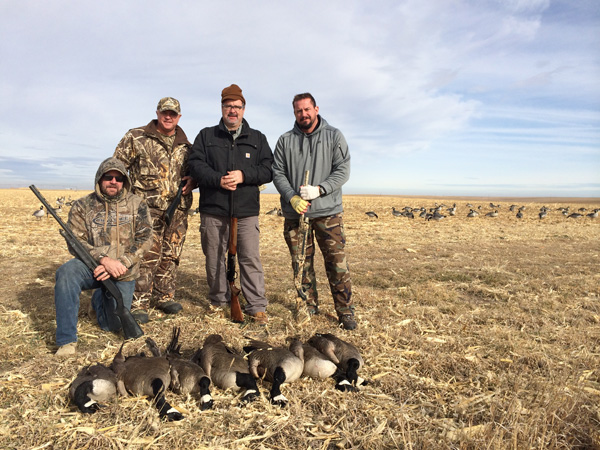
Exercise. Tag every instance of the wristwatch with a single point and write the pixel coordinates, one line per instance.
(322, 192)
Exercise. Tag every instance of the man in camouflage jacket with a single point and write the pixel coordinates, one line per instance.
(156, 157)
(115, 227)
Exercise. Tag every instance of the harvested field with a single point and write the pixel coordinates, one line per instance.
(477, 333)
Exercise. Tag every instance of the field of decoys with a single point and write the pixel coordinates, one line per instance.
(478, 327)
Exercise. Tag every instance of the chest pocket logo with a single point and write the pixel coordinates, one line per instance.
(247, 155)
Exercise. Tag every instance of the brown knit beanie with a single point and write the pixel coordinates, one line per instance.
(232, 92)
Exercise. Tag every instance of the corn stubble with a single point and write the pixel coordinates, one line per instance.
(476, 333)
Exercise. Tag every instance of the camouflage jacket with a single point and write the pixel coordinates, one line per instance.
(119, 227)
(155, 170)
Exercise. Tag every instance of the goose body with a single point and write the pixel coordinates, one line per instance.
(276, 364)
(226, 368)
(316, 364)
(345, 355)
(93, 385)
(372, 214)
(187, 377)
(142, 375)
(39, 213)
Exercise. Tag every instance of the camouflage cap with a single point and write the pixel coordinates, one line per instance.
(169, 104)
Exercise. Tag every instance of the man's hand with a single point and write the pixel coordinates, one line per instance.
(232, 179)
(309, 192)
(299, 205)
(109, 268)
(190, 185)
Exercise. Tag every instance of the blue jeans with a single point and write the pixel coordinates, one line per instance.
(72, 278)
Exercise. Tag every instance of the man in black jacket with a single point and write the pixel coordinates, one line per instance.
(229, 162)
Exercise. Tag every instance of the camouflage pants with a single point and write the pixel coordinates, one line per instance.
(329, 233)
(158, 268)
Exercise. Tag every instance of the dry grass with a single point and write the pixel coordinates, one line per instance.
(477, 333)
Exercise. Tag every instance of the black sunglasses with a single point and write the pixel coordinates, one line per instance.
(118, 178)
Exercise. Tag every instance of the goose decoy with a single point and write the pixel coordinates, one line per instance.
(187, 377)
(93, 384)
(372, 214)
(276, 364)
(436, 216)
(574, 216)
(452, 210)
(492, 214)
(542, 214)
(272, 212)
(396, 213)
(143, 375)
(593, 214)
(345, 355)
(519, 215)
(472, 213)
(39, 213)
(227, 368)
(193, 212)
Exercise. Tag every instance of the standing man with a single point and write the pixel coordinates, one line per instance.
(229, 162)
(156, 157)
(316, 146)
(115, 226)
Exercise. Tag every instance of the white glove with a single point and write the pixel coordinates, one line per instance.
(309, 192)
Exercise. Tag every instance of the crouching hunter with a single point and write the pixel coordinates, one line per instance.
(115, 226)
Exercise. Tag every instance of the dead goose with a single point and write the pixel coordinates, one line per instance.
(345, 355)
(141, 375)
(319, 366)
(226, 368)
(187, 377)
(92, 385)
(276, 364)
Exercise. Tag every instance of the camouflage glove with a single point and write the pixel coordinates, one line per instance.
(299, 205)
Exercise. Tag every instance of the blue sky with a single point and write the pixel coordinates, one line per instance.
(437, 97)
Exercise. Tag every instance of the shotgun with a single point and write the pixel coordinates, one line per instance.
(131, 329)
(174, 204)
(303, 228)
(236, 309)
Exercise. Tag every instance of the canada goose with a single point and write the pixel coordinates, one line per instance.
(574, 216)
(593, 214)
(345, 355)
(519, 214)
(372, 214)
(396, 213)
(472, 213)
(93, 384)
(276, 364)
(39, 213)
(492, 214)
(272, 212)
(193, 212)
(187, 377)
(319, 366)
(226, 368)
(141, 375)
(542, 214)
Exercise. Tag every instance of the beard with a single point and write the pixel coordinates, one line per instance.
(305, 126)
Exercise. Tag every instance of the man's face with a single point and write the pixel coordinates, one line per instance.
(233, 113)
(110, 184)
(306, 114)
(167, 121)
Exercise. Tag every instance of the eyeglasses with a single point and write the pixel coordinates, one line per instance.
(118, 178)
(236, 107)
